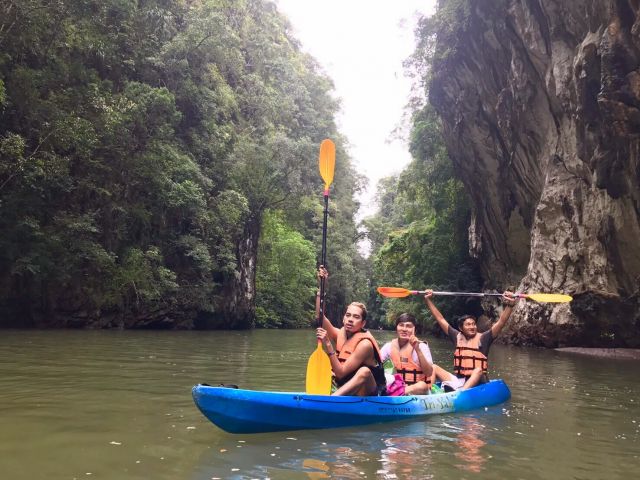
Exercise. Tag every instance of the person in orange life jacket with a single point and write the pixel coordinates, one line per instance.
(410, 356)
(355, 360)
(470, 365)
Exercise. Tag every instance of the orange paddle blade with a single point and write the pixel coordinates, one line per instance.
(319, 373)
(394, 292)
(327, 162)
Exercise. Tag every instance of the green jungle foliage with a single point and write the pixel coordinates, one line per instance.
(438, 37)
(286, 280)
(141, 144)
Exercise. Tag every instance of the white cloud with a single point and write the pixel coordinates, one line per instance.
(361, 45)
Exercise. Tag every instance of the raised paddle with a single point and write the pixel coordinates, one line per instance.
(397, 292)
(319, 365)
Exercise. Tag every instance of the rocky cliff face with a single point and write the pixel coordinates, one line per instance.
(540, 101)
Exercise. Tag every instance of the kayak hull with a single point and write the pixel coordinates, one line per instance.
(250, 411)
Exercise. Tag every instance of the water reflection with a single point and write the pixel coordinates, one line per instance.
(315, 469)
(402, 454)
(470, 442)
(404, 450)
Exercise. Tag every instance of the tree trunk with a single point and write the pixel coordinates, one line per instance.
(237, 305)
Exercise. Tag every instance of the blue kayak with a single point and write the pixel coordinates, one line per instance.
(249, 411)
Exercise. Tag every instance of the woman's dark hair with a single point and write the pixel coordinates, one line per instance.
(406, 317)
(461, 320)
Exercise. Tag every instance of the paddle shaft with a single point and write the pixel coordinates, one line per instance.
(466, 294)
(324, 253)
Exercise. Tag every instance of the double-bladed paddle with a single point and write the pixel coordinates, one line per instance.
(397, 292)
(319, 365)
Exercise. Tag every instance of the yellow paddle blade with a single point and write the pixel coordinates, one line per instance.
(549, 297)
(327, 161)
(394, 292)
(319, 373)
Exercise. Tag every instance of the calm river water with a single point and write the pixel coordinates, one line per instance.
(117, 405)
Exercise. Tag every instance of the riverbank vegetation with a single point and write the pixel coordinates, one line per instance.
(158, 169)
(144, 147)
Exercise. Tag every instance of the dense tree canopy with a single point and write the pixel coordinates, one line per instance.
(141, 144)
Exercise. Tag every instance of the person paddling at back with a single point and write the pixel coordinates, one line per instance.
(411, 357)
(355, 360)
(470, 363)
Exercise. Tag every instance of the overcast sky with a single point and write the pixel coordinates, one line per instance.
(361, 45)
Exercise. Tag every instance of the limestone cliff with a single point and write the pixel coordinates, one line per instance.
(540, 101)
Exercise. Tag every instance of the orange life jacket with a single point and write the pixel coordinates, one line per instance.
(467, 356)
(346, 346)
(410, 371)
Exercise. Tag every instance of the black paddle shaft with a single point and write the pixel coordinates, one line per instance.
(324, 254)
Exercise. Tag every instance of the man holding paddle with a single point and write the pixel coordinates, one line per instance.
(470, 365)
(355, 361)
